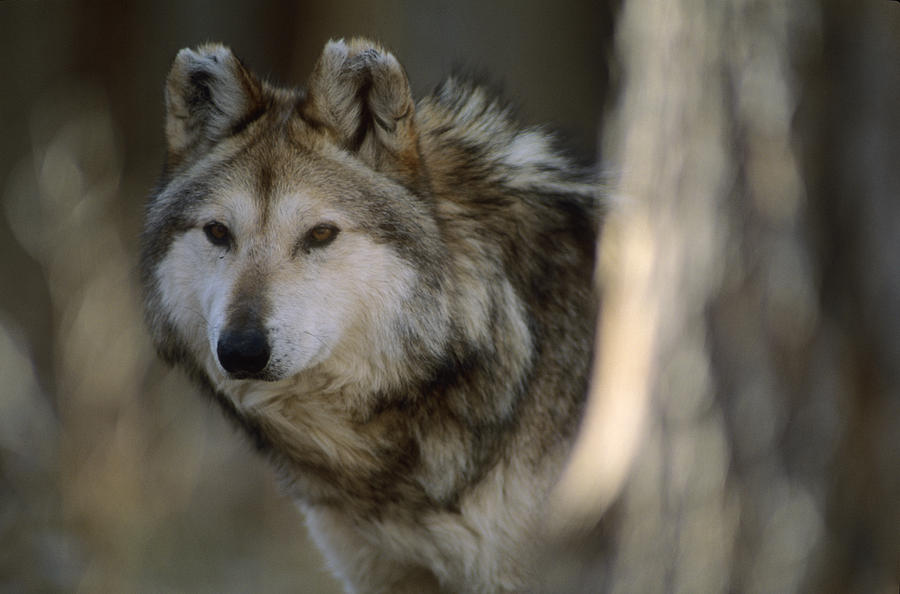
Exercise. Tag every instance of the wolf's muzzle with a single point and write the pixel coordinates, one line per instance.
(243, 351)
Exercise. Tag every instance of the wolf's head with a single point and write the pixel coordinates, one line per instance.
(292, 230)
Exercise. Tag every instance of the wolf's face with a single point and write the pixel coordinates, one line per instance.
(281, 239)
(267, 287)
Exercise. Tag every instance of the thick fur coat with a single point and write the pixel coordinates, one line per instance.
(394, 301)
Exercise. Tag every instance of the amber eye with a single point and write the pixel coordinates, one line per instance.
(322, 234)
(217, 233)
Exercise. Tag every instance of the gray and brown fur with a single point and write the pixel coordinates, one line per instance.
(425, 366)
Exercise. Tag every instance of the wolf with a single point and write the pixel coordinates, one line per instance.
(392, 299)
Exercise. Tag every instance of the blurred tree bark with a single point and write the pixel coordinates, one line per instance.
(743, 430)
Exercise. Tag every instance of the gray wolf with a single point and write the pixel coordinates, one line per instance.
(393, 299)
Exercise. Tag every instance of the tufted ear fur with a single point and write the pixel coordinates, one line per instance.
(209, 96)
(361, 94)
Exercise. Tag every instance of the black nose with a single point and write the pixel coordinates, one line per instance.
(243, 351)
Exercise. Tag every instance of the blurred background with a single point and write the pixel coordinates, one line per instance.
(115, 475)
(742, 435)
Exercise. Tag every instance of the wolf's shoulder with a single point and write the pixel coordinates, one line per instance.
(471, 134)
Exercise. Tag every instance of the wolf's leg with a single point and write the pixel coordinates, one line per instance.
(361, 566)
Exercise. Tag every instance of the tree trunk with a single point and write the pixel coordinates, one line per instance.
(743, 428)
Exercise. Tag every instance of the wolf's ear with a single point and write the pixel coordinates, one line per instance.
(361, 94)
(209, 94)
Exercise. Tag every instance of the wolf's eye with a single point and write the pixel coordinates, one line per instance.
(322, 234)
(217, 233)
